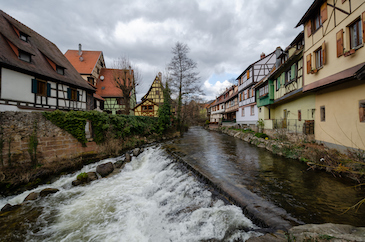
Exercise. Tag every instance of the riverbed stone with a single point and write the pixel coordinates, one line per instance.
(9, 207)
(119, 163)
(32, 196)
(92, 176)
(128, 157)
(261, 145)
(76, 183)
(327, 232)
(136, 152)
(48, 191)
(279, 236)
(105, 169)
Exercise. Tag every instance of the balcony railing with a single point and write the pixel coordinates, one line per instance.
(292, 125)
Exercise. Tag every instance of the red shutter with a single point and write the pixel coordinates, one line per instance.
(339, 40)
(324, 12)
(363, 26)
(253, 92)
(309, 63)
(309, 28)
(324, 52)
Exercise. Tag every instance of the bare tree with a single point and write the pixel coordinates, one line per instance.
(126, 77)
(184, 78)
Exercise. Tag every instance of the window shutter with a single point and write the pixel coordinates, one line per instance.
(339, 41)
(324, 12)
(363, 26)
(283, 79)
(309, 27)
(68, 93)
(78, 96)
(48, 89)
(248, 74)
(34, 86)
(309, 63)
(292, 70)
(253, 92)
(324, 52)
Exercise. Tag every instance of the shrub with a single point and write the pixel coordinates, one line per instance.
(82, 176)
(261, 135)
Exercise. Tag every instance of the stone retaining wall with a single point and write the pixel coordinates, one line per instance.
(53, 142)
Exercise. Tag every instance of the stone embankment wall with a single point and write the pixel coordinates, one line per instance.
(16, 129)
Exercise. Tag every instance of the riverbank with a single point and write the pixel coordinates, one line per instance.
(316, 156)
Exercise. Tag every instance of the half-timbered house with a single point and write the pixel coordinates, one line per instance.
(280, 98)
(152, 100)
(34, 74)
(115, 101)
(247, 113)
(334, 58)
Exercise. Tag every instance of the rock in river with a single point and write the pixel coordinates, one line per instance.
(105, 169)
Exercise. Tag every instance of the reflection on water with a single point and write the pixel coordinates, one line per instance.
(310, 196)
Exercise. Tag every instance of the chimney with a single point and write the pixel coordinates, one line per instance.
(80, 50)
(278, 52)
(262, 55)
(160, 76)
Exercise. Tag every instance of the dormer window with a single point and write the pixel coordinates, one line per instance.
(60, 70)
(23, 36)
(24, 56)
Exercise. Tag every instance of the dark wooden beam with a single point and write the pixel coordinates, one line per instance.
(336, 8)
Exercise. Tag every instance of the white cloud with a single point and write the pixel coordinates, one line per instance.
(213, 90)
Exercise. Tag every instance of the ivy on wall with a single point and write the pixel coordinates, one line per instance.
(120, 125)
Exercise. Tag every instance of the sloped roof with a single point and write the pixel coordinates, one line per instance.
(106, 87)
(315, 5)
(157, 78)
(40, 48)
(88, 63)
(143, 101)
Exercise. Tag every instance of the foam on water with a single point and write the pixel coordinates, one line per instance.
(149, 200)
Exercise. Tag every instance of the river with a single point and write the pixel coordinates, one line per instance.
(306, 195)
(154, 198)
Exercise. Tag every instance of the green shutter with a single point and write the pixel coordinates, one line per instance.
(293, 68)
(68, 93)
(34, 86)
(283, 78)
(48, 89)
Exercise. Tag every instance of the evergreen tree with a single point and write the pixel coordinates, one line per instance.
(164, 112)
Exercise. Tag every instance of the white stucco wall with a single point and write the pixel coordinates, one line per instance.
(247, 118)
(16, 86)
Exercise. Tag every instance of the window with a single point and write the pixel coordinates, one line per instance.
(299, 115)
(147, 108)
(355, 34)
(243, 112)
(362, 110)
(317, 23)
(73, 94)
(41, 88)
(157, 92)
(319, 58)
(23, 36)
(60, 70)
(323, 114)
(24, 56)
(264, 90)
(252, 110)
(90, 80)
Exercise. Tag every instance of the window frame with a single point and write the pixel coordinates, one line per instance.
(356, 27)
(253, 110)
(318, 55)
(23, 53)
(322, 113)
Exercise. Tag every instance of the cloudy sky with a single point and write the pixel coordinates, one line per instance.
(224, 36)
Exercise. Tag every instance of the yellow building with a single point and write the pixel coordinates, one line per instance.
(152, 100)
(334, 59)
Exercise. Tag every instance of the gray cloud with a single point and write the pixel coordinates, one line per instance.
(223, 36)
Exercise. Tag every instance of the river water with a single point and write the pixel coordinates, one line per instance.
(306, 195)
(151, 199)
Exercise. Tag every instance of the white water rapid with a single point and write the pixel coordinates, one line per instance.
(151, 199)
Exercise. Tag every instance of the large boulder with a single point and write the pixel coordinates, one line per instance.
(32, 196)
(76, 183)
(48, 191)
(105, 169)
